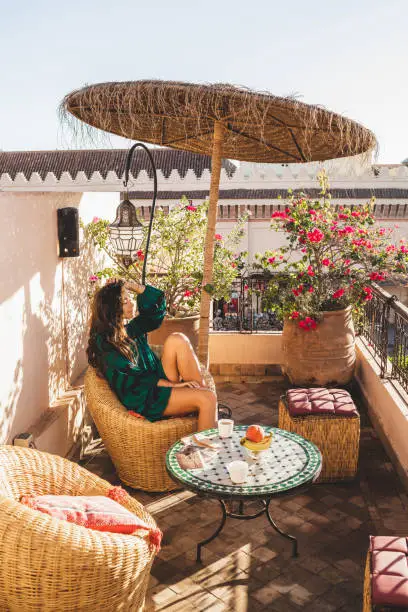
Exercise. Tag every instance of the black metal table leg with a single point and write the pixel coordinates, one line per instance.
(241, 507)
(216, 533)
(282, 533)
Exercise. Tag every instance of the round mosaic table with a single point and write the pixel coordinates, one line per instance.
(289, 465)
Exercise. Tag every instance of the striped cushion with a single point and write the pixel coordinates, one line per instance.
(94, 512)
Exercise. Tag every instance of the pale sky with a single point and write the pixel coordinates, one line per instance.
(347, 55)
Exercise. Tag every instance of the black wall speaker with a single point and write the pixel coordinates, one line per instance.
(68, 232)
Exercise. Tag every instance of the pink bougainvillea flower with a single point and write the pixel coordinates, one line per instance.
(233, 264)
(93, 278)
(294, 315)
(271, 259)
(246, 287)
(218, 237)
(187, 294)
(191, 208)
(356, 214)
(326, 262)
(338, 294)
(311, 289)
(140, 255)
(307, 324)
(404, 249)
(377, 276)
(347, 262)
(95, 220)
(312, 212)
(368, 294)
(391, 248)
(310, 271)
(279, 214)
(315, 236)
(303, 250)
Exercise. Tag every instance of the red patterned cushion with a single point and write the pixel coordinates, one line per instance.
(389, 571)
(95, 512)
(303, 402)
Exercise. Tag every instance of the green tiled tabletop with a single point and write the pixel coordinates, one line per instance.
(290, 462)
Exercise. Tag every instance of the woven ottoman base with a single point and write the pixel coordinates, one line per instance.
(367, 603)
(338, 439)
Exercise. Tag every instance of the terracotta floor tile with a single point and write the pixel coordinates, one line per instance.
(266, 595)
(249, 567)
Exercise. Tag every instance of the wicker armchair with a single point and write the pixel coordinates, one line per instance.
(47, 564)
(137, 447)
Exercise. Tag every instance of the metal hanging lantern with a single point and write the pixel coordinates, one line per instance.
(126, 232)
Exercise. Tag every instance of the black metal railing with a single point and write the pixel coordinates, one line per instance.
(244, 311)
(385, 327)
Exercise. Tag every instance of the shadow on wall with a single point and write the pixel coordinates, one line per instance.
(27, 389)
(76, 272)
(43, 309)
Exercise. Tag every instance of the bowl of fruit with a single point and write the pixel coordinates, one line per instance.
(256, 441)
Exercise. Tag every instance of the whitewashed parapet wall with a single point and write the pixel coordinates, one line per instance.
(246, 176)
(245, 189)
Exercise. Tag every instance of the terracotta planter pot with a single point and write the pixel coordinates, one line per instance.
(321, 357)
(185, 325)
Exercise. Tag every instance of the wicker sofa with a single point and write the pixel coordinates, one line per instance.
(47, 564)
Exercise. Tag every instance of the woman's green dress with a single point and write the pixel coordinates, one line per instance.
(136, 385)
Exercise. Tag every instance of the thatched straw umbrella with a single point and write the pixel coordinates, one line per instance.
(221, 121)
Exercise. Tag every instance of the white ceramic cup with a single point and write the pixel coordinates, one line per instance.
(238, 471)
(225, 428)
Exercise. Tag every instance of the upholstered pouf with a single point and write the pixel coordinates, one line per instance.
(329, 419)
(386, 575)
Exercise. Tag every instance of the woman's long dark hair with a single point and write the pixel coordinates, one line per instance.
(107, 321)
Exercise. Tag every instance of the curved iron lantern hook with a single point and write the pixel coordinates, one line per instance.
(125, 184)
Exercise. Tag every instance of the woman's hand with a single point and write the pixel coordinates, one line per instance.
(191, 384)
(135, 287)
(112, 279)
(129, 285)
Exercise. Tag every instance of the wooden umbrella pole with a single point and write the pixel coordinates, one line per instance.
(209, 242)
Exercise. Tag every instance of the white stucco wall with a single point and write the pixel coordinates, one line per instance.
(39, 354)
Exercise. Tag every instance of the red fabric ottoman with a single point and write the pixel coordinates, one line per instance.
(329, 419)
(386, 582)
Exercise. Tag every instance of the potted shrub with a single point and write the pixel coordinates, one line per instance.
(175, 263)
(323, 278)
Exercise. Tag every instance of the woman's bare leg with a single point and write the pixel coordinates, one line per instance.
(184, 401)
(180, 361)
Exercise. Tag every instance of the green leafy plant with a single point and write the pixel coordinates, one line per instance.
(331, 260)
(176, 256)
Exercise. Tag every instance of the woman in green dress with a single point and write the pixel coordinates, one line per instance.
(154, 388)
